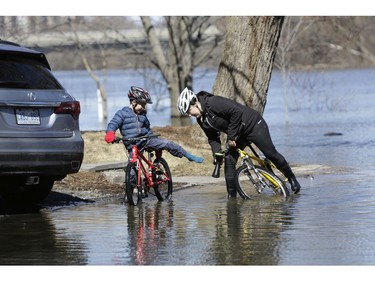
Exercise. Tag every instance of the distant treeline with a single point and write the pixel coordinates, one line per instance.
(306, 42)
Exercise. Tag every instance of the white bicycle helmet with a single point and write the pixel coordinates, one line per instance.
(186, 98)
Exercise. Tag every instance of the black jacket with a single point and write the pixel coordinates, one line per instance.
(221, 114)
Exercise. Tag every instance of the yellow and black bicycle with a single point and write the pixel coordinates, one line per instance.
(260, 173)
(256, 172)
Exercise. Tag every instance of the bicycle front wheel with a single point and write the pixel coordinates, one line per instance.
(163, 176)
(134, 197)
(248, 182)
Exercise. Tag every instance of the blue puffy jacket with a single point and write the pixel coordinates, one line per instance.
(131, 125)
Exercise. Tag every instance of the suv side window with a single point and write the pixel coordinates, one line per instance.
(26, 74)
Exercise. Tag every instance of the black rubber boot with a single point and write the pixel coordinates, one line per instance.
(294, 184)
(229, 170)
(232, 195)
(231, 188)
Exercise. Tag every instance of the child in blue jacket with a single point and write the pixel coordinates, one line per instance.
(132, 122)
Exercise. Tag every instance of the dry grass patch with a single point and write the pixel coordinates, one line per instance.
(191, 138)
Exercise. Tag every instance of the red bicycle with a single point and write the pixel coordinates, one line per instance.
(144, 174)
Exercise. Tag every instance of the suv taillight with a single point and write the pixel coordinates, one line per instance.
(71, 107)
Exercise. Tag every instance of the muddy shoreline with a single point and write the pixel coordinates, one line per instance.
(90, 187)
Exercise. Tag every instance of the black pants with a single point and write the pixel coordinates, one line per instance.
(261, 137)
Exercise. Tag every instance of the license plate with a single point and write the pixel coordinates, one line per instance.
(27, 116)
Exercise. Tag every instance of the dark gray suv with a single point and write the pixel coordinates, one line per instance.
(40, 141)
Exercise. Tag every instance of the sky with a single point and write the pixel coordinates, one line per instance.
(189, 8)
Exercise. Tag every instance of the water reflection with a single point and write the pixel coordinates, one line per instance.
(331, 222)
(249, 232)
(148, 228)
(32, 239)
(200, 227)
(220, 232)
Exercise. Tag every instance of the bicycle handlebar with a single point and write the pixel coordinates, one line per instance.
(219, 156)
(133, 140)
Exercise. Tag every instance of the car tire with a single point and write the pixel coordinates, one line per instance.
(15, 191)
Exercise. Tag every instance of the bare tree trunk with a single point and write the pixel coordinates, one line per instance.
(293, 28)
(186, 35)
(246, 65)
(166, 67)
(101, 93)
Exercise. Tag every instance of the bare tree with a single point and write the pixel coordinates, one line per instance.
(246, 65)
(90, 68)
(182, 53)
(293, 27)
(300, 39)
(354, 37)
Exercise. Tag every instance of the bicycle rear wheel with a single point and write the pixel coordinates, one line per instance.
(163, 190)
(248, 182)
(133, 195)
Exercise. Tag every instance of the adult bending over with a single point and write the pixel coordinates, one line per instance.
(243, 125)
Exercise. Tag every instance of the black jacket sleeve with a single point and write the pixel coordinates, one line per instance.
(213, 138)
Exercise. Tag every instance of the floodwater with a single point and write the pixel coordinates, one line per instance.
(331, 222)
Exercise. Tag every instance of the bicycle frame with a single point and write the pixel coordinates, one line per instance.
(143, 173)
(258, 170)
(263, 162)
(140, 159)
(264, 172)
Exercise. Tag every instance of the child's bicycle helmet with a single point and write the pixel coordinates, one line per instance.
(139, 95)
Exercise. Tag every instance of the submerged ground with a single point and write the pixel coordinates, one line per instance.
(92, 185)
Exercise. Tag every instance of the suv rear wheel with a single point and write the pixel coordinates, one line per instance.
(25, 190)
